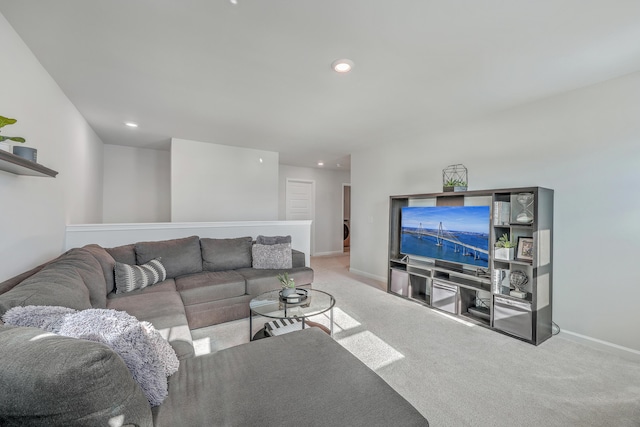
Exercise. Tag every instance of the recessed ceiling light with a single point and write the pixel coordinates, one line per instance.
(338, 164)
(131, 124)
(342, 65)
(320, 163)
(260, 160)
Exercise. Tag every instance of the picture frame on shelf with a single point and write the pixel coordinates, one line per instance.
(524, 251)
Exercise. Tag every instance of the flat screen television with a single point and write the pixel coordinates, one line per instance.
(452, 236)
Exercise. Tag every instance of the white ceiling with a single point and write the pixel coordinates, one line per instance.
(257, 74)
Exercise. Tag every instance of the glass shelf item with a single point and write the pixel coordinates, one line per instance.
(525, 200)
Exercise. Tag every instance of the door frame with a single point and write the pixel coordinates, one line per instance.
(313, 207)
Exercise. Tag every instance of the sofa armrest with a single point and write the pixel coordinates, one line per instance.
(297, 259)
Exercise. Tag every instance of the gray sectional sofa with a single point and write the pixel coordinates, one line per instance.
(48, 379)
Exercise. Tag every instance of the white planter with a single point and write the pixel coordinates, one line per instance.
(288, 291)
(503, 253)
(6, 147)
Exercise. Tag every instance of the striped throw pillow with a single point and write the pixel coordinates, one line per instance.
(132, 277)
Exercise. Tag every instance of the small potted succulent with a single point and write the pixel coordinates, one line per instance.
(504, 248)
(287, 283)
(4, 121)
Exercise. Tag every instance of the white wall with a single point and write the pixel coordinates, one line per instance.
(33, 210)
(328, 233)
(212, 182)
(585, 145)
(110, 235)
(137, 185)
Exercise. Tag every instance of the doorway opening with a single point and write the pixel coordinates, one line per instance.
(346, 215)
(300, 203)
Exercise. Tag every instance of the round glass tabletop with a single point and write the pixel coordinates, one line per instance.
(270, 304)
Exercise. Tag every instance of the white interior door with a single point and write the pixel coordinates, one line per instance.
(300, 200)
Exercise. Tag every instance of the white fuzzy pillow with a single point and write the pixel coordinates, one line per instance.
(274, 257)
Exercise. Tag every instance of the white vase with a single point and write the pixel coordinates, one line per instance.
(503, 253)
(288, 291)
(6, 147)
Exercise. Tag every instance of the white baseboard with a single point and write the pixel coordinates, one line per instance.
(368, 275)
(607, 344)
(334, 253)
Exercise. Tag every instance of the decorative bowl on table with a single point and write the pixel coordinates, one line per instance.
(298, 295)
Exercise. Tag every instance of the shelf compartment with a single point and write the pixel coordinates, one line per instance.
(420, 289)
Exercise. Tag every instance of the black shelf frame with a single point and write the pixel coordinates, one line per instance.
(469, 285)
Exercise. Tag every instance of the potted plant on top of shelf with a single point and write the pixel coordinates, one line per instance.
(4, 121)
(455, 185)
(504, 248)
(454, 178)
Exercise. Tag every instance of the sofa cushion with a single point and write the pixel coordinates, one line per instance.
(277, 256)
(215, 312)
(168, 285)
(259, 281)
(132, 277)
(272, 240)
(226, 254)
(210, 286)
(49, 380)
(165, 311)
(179, 256)
(62, 283)
(298, 259)
(344, 390)
(106, 262)
(125, 254)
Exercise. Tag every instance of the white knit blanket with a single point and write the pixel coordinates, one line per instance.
(149, 357)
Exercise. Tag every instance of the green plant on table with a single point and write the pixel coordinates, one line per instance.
(4, 121)
(504, 242)
(286, 281)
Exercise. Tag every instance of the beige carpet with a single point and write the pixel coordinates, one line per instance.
(457, 374)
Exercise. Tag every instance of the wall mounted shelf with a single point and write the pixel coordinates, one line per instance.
(20, 166)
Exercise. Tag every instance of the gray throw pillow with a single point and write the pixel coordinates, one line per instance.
(226, 254)
(179, 256)
(272, 240)
(125, 254)
(273, 257)
(132, 277)
(48, 379)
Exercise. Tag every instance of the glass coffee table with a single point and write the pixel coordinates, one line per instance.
(307, 303)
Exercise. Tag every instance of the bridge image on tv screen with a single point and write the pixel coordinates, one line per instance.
(458, 234)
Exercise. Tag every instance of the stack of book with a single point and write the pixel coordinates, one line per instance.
(501, 213)
(282, 326)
